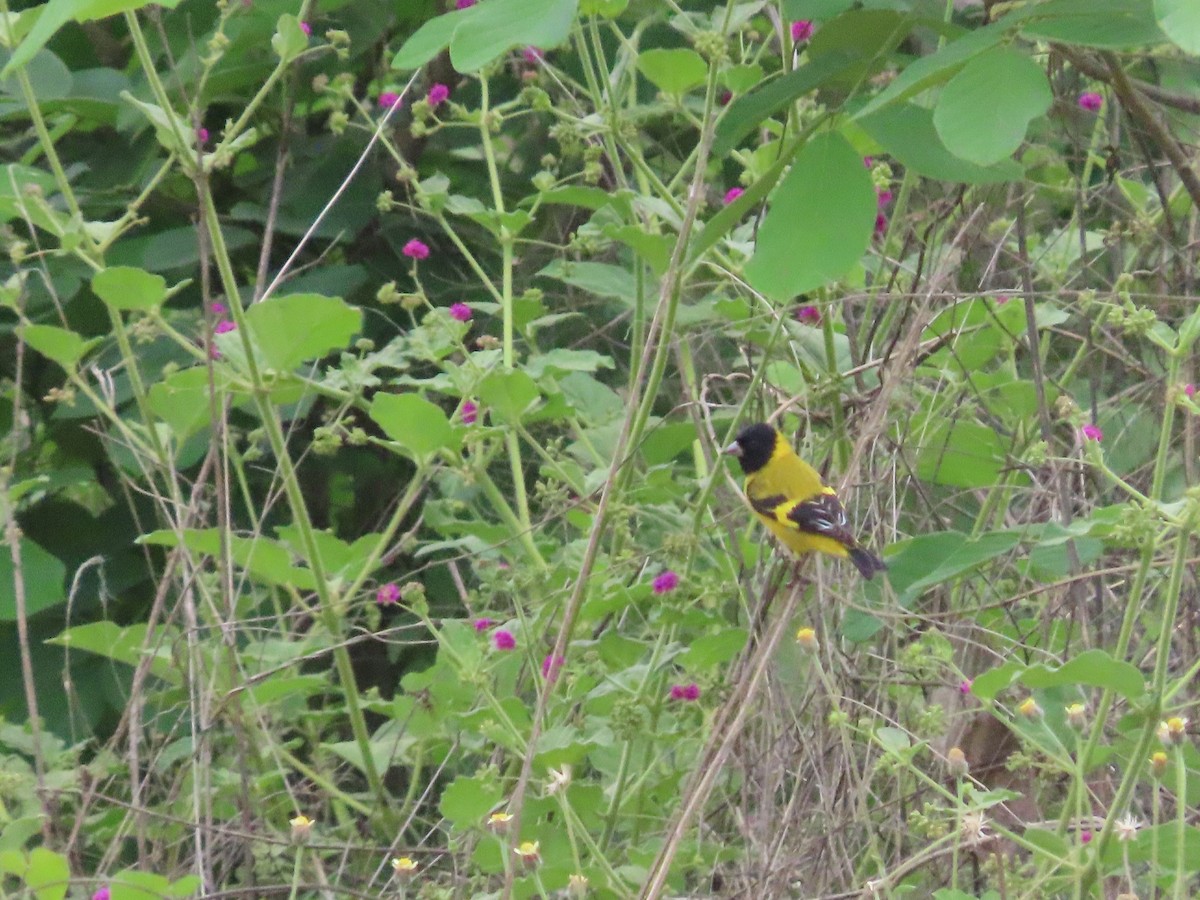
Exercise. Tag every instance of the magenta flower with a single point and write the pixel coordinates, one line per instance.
(868, 161)
(388, 99)
(881, 223)
(1091, 101)
(964, 687)
(102, 894)
(665, 581)
(468, 412)
(883, 197)
(532, 55)
(217, 307)
(685, 691)
(415, 249)
(223, 327)
(202, 135)
(732, 194)
(437, 94)
(1189, 389)
(306, 28)
(802, 30)
(1001, 299)
(482, 625)
(808, 315)
(504, 640)
(388, 594)
(460, 312)
(550, 666)
(464, 4)
(1085, 837)
(725, 97)
(1090, 432)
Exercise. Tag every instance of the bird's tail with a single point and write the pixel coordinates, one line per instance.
(866, 562)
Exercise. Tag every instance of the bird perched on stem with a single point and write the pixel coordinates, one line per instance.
(787, 494)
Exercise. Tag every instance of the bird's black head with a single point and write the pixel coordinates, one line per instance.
(753, 446)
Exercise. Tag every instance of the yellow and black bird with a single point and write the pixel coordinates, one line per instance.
(787, 494)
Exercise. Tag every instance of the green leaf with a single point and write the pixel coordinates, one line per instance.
(986, 108)
(508, 394)
(124, 645)
(1180, 21)
(958, 452)
(561, 360)
(126, 288)
(57, 13)
(64, 347)
(289, 40)
(746, 113)
(820, 221)
(43, 574)
(929, 559)
(867, 35)
(483, 32)
(672, 71)
(609, 9)
(131, 884)
(263, 558)
(742, 78)
(930, 71)
(1109, 24)
(298, 327)
(182, 400)
(1093, 668)
(467, 802)
(418, 426)
(893, 740)
(48, 875)
(711, 650)
(601, 279)
(906, 131)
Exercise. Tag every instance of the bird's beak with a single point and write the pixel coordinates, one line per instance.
(734, 449)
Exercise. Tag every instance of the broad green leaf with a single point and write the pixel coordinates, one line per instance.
(893, 740)
(742, 78)
(131, 884)
(263, 558)
(123, 645)
(483, 32)
(182, 400)
(289, 40)
(57, 13)
(124, 287)
(819, 223)
(561, 360)
(609, 9)
(745, 113)
(867, 35)
(48, 875)
(64, 347)
(418, 426)
(44, 578)
(1109, 24)
(1180, 21)
(298, 327)
(601, 279)
(984, 111)
(906, 131)
(958, 452)
(1093, 668)
(672, 71)
(711, 650)
(929, 559)
(467, 802)
(508, 394)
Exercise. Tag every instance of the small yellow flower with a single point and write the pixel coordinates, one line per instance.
(497, 822)
(529, 852)
(807, 639)
(1077, 716)
(956, 763)
(1029, 709)
(404, 867)
(301, 828)
(1158, 764)
(1172, 732)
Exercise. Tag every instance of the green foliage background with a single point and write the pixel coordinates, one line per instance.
(350, 428)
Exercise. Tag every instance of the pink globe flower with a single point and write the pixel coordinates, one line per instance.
(218, 308)
(388, 99)
(468, 412)
(102, 894)
(868, 161)
(438, 93)
(881, 223)
(223, 327)
(388, 594)
(464, 4)
(1001, 299)
(883, 197)
(964, 687)
(460, 312)
(732, 194)
(1091, 101)
(504, 640)
(665, 581)
(725, 97)
(802, 30)
(532, 55)
(687, 692)
(482, 625)
(1189, 389)
(202, 135)
(1090, 432)
(551, 666)
(306, 28)
(808, 315)
(415, 249)
(1085, 837)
